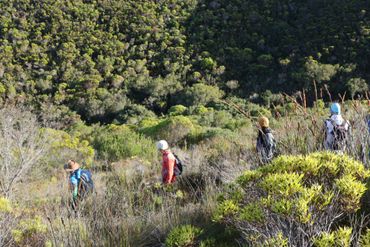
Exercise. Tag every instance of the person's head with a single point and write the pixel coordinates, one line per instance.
(335, 109)
(71, 166)
(264, 122)
(162, 145)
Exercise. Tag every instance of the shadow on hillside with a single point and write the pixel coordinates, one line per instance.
(263, 44)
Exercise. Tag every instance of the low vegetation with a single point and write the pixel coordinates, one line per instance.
(225, 197)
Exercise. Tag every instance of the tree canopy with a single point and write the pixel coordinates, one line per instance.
(102, 58)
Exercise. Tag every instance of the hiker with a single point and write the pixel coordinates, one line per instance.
(168, 163)
(265, 141)
(337, 131)
(80, 181)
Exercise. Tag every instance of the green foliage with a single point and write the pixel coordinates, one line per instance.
(352, 189)
(177, 110)
(183, 236)
(201, 94)
(227, 208)
(30, 232)
(252, 212)
(5, 206)
(115, 142)
(101, 59)
(257, 110)
(319, 72)
(278, 240)
(357, 85)
(365, 238)
(133, 114)
(299, 188)
(173, 129)
(65, 146)
(340, 237)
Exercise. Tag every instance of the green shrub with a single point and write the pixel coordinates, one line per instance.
(183, 236)
(133, 114)
(30, 232)
(216, 119)
(365, 238)
(257, 110)
(340, 237)
(177, 110)
(65, 146)
(115, 142)
(303, 188)
(173, 129)
(200, 110)
(202, 94)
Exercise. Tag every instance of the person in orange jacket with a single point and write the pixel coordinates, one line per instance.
(168, 163)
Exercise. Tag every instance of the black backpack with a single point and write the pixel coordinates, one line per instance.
(340, 135)
(179, 165)
(267, 144)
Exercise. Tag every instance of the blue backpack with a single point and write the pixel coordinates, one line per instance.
(86, 183)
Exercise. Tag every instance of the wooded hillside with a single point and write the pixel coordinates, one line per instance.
(111, 60)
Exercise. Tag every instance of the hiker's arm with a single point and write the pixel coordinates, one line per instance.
(170, 170)
(75, 191)
(74, 187)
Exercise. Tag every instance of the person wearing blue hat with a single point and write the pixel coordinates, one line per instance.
(337, 130)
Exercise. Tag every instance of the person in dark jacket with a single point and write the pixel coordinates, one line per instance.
(265, 141)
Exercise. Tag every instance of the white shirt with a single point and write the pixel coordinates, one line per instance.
(338, 120)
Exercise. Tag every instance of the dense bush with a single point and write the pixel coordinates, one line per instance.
(173, 129)
(295, 196)
(183, 236)
(115, 142)
(65, 146)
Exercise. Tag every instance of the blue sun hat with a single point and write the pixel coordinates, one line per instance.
(335, 108)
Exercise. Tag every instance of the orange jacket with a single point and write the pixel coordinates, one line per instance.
(168, 167)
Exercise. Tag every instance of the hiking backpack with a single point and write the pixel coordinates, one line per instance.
(179, 165)
(339, 135)
(266, 145)
(86, 182)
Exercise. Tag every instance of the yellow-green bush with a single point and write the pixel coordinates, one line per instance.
(365, 238)
(65, 146)
(177, 110)
(183, 236)
(340, 237)
(172, 129)
(5, 205)
(297, 187)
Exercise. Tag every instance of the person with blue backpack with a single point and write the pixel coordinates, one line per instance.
(80, 181)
